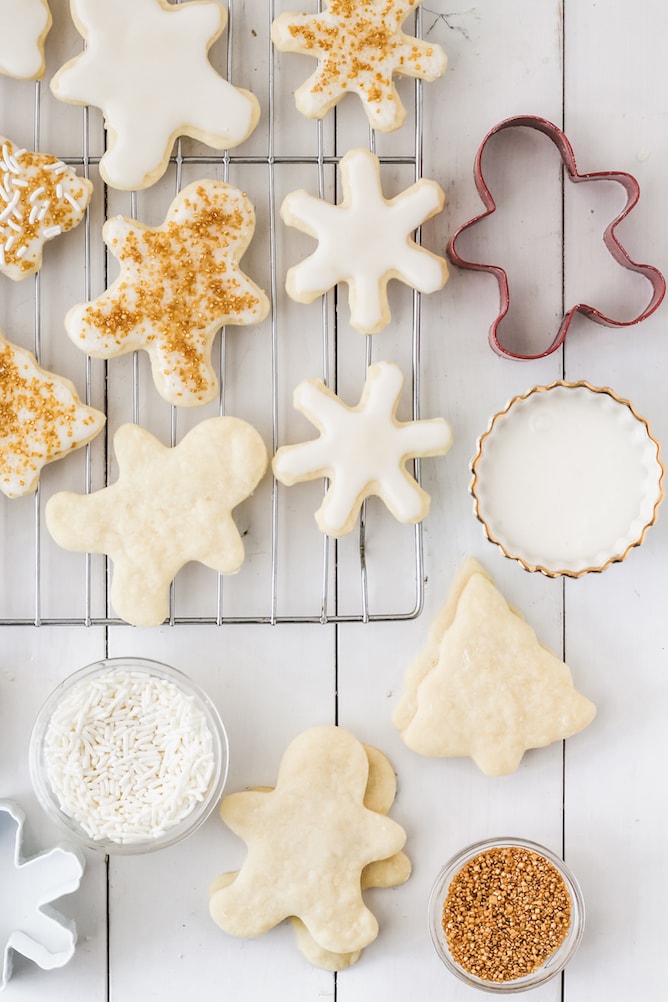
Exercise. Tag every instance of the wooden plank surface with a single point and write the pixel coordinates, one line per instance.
(595, 69)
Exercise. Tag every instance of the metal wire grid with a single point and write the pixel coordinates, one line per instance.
(328, 599)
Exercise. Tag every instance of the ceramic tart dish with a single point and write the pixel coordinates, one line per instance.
(567, 479)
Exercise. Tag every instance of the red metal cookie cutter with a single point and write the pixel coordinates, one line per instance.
(632, 188)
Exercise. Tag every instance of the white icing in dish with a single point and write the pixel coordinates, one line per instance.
(365, 241)
(567, 479)
(146, 66)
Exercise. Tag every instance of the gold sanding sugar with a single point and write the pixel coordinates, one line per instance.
(507, 910)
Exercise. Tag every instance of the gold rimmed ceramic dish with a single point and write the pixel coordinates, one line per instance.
(567, 479)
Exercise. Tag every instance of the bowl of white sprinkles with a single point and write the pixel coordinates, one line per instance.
(128, 755)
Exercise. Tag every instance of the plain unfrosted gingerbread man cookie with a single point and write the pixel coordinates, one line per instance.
(146, 66)
(167, 507)
(179, 283)
(309, 840)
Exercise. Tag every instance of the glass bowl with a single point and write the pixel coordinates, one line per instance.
(128, 755)
(552, 964)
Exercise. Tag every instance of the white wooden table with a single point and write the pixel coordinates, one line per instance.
(597, 69)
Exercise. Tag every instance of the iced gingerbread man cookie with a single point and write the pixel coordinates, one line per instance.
(40, 198)
(24, 25)
(364, 241)
(146, 67)
(179, 284)
(362, 450)
(359, 47)
(167, 507)
(41, 419)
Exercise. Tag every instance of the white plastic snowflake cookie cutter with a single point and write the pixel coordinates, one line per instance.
(29, 926)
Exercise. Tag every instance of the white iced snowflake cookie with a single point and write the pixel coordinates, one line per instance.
(179, 284)
(24, 25)
(43, 419)
(146, 66)
(40, 198)
(362, 450)
(364, 241)
(359, 47)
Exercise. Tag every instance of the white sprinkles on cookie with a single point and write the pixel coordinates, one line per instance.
(24, 25)
(146, 66)
(362, 450)
(359, 46)
(42, 419)
(40, 198)
(365, 241)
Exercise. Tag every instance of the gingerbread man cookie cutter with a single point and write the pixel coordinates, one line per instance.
(610, 239)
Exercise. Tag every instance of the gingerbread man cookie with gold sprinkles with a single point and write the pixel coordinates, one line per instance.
(40, 198)
(24, 25)
(360, 47)
(43, 419)
(179, 284)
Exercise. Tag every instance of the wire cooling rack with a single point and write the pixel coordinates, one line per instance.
(291, 572)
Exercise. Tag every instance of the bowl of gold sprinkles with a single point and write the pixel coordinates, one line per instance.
(128, 755)
(506, 915)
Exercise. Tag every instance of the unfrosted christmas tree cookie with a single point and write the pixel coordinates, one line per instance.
(40, 198)
(365, 241)
(42, 419)
(24, 25)
(179, 284)
(484, 686)
(362, 450)
(146, 67)
(167, 507)
(359, 46)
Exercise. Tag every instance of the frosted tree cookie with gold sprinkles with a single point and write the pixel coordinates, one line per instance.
(360, 46)
(168, 506)
(146, 67)
(42, 419)
(365, 241)
(179, 284)
(24, 25)
(40, 198)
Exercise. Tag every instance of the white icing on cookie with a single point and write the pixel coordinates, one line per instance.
(40, 198)
(24, 25)
(364, 241)
(42, 419)
(359, 46)
(362, 450)
(179, 284)
(146, 66)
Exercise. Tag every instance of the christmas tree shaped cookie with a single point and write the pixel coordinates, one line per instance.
(484, 686)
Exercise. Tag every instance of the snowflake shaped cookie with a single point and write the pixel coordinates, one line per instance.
(30, 926)
(309, 840)
(24, 25)
(40, 198)
(359, 47)
(167, 507)
(484, 686)
(41, 419)
(364, 241)
(362, 450)
(179, 284)
(146, 66)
